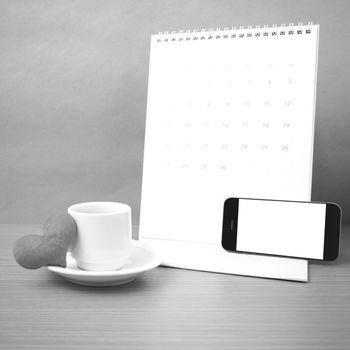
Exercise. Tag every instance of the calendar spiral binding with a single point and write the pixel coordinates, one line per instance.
(235, 32)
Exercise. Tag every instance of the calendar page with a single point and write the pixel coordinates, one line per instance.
(230, 113)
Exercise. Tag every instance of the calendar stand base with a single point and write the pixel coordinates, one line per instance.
(213, 258)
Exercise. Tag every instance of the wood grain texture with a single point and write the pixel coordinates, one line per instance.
(173, 309)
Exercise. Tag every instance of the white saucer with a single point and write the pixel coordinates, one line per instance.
(142, 259)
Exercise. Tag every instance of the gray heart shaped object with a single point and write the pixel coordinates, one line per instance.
(35, 251)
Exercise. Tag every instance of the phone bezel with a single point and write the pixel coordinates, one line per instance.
(331, 235)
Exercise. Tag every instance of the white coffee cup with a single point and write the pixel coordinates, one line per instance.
(104, 235)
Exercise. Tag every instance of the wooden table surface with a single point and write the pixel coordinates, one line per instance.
(173, 309)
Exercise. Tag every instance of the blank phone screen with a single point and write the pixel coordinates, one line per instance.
(281, 228)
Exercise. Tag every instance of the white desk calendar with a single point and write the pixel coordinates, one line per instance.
(230, 113)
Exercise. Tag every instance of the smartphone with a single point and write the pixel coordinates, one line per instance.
(307, 230)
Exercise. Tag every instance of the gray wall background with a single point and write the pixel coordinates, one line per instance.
(73, 92)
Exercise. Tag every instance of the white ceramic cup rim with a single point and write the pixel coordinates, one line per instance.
(98, 208)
